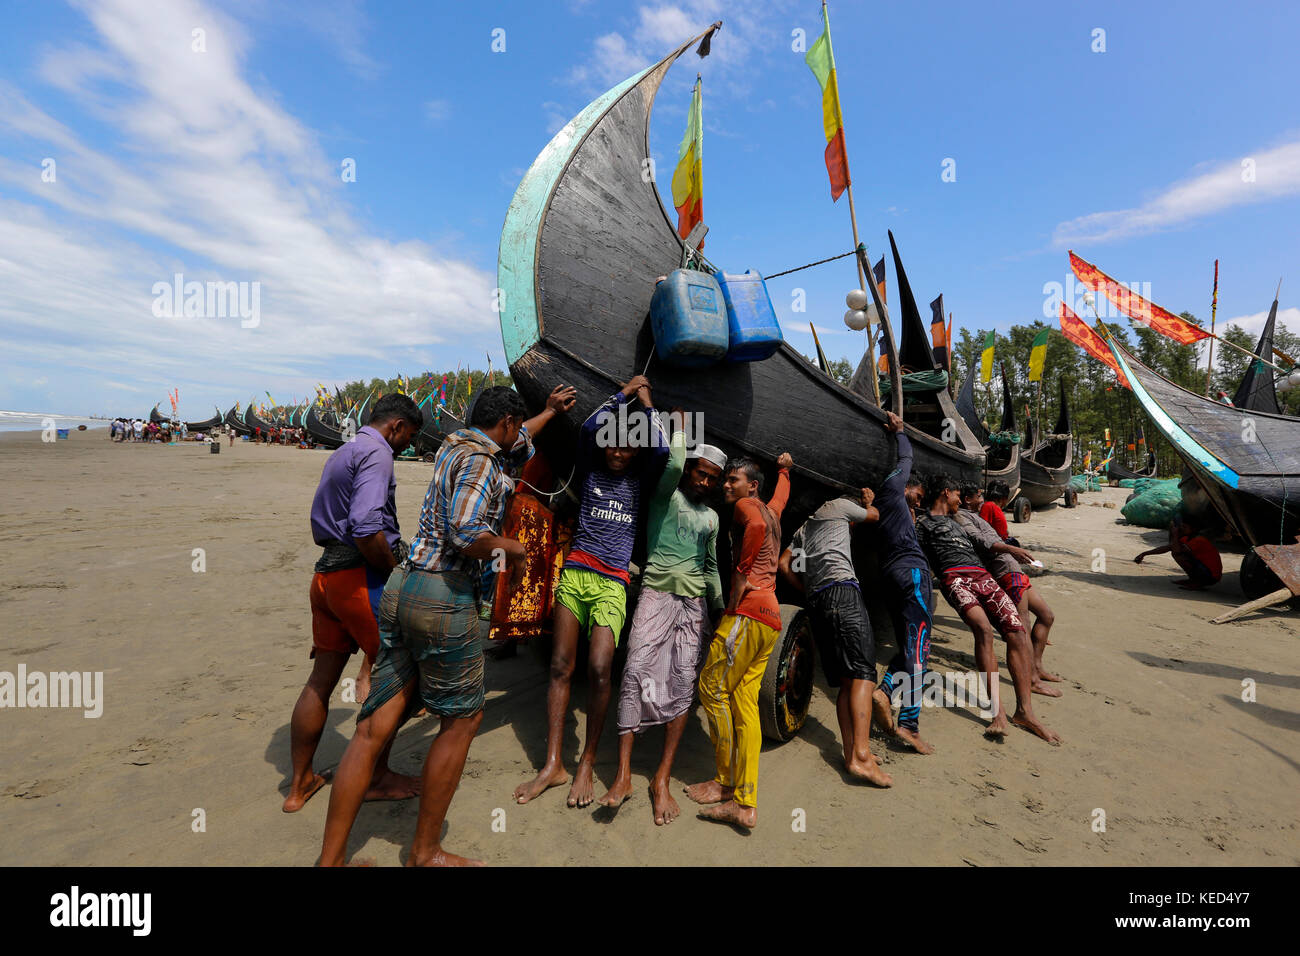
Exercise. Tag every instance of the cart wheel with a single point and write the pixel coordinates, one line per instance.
(1257, 578)
(1071, 497)
(429, 457)
(786, 691)
(1022, 510)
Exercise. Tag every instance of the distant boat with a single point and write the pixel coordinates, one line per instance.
(322, 433)
(233, 420)
(205, 426)
(1045, 471)
(1001, 459)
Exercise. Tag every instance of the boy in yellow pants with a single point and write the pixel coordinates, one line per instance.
(733, 669)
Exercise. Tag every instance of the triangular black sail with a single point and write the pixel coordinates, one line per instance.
(966, 405)
(1008, 409)
(913, 342)
(1063, 419)
(1256, 390)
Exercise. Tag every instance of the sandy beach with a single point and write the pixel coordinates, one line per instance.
(201, 670)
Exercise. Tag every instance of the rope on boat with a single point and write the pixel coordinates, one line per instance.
(811, 264)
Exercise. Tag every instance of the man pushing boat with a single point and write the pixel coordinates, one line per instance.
(984, 606)
(615, 474)
(354, 520)
(680, 591)
(742, 643)
(429, 652)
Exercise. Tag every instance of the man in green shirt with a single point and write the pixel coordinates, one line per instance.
(672, 624)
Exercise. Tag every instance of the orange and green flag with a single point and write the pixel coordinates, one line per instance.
(986, 359)
(1038, 355)
(821, 60)
(688, 177)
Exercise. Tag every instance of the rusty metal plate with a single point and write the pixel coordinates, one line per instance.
(1284, 561)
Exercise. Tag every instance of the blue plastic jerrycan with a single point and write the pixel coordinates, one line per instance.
(753, 332)
(688, 316)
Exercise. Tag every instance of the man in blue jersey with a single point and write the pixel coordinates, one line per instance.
(620, 457)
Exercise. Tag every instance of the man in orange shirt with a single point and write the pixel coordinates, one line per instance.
(737, 658)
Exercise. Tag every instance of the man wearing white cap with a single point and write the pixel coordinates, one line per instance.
(672, 624)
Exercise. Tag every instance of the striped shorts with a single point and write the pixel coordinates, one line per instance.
(428, 633)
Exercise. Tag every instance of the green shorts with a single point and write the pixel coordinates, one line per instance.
(595, 600)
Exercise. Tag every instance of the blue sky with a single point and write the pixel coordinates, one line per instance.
(224, 165)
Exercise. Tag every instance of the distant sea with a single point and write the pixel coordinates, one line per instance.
(33, 421)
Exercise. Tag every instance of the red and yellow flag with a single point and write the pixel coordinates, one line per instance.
(688, 177)
(821, 60)
(1082, 335)
(1135, 307)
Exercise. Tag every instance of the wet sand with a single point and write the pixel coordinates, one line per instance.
(201, 671)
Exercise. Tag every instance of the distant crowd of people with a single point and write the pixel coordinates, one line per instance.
(138, 429)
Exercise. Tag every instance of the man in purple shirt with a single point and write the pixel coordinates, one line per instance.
(354, 521)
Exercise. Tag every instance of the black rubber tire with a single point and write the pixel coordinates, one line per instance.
(1071, 498)
(786, 691)
(1022, 510)
(1256, 577)
(430, 457)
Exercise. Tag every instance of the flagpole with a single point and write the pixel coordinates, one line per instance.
(1214, 307)
(853, 212)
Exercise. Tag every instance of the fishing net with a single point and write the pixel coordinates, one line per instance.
(1006, 438)
(1154, 504)
(929, 381)
(1085, 483)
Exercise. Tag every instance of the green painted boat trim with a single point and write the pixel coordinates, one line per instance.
(516, 293)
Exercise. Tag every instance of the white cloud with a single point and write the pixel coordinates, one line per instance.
(1276, 173)
(437, 110)
(1288, 318)
(211, 178)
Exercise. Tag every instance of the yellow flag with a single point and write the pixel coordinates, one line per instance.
(1038, 356)
(986, 360)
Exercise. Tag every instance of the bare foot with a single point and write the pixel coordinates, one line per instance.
(393, 786)
(1047, 690)
(998, 728)
(1035, 727)
(546, 778)
(618, 793)
(870, 771)
(732, 813)
(298, 798)
(709, 792)
(441, 857)
(665, 807)
(1047, 675)
(583, 791)
(913, 739)
(882, 714)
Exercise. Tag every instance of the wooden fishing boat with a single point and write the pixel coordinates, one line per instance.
(325, 434)
(235, 421)
(1001, 459)
(1045, 471)
(1246, 460)
(439, 422)
(1117, 472)
(205, 426)
(253, 421)
(585, 239)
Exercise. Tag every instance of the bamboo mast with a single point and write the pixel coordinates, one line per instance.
(853, 213)
(1214, 308)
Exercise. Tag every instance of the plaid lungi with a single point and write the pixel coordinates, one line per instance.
(428, 631)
